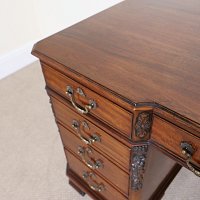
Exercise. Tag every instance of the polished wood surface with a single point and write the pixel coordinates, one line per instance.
(78, 185)
(140, 62)
(143, 51)
(108, 145)
(78, 167)
(108, 170)
(116, 134)
(119, 118)
(170, 137)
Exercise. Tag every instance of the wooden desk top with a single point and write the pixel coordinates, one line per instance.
(144, 50)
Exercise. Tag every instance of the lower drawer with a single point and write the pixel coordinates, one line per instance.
(107, 144)
(94, 160)
(94, 181)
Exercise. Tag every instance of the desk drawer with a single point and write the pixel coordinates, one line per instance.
(94, 181)
(171, 137)
(95, 160)
(107, 144)
(101, 108)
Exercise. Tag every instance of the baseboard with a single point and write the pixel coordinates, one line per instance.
(17, 59)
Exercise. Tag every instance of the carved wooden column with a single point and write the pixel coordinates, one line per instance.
(139, 154)
(143, 118)
(150, 169)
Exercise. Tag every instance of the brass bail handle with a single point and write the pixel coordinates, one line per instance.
(76, 125)
(86, 108)
(188, 151)
(84, 154)
(88, 176)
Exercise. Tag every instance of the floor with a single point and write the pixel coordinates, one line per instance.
(32, 160)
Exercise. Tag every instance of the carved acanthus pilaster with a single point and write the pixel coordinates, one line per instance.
(138, 166)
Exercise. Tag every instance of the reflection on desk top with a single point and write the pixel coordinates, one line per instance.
(143, 50)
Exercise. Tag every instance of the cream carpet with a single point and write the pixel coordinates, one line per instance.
(32, 162)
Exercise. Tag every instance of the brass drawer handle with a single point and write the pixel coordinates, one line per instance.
(84, 154)
(76, 125)
(86, 108)
(188, 151)
(88, 176)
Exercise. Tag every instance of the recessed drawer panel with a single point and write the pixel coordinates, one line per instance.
(86, 101)
(95, 160)
(89, 133)
(94, 181)
(180, 142)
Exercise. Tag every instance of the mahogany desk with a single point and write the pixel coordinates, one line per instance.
(125, 91)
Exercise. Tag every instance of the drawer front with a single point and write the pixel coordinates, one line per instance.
(95, 160)
(171, 136)
(94, 181)
(107, 144)
(104, 109)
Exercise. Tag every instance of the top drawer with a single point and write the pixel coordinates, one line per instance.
(82, 97)
(180, 142)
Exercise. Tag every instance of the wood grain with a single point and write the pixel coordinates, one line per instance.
(78, 183)
(117, 135)
(109, 170)
(170, 137)
(78, 167)
(141, 55)
(109, 146)
(144, 50)
(118, 118)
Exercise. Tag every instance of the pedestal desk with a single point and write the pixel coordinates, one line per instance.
(125, 91)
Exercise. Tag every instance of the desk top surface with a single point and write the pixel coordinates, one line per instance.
(144, 50)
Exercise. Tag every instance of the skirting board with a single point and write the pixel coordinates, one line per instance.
(15, 60)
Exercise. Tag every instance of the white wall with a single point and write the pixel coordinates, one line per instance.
(17, 24)
(24, 22)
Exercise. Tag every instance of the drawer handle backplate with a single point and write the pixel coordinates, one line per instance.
(77, 126)
(188, 151)
(89, 176)
(86, 108)
(85, 153)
